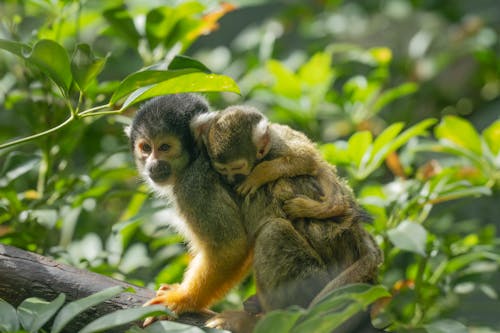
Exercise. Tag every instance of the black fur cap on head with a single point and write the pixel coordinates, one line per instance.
(168, 114)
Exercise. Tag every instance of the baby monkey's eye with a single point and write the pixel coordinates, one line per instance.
(145, 147)
(238, 166)
(221, 168)
(164, 147)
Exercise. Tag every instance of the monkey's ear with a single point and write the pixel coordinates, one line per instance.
(261, 137)
(201, 124)
(127, 130)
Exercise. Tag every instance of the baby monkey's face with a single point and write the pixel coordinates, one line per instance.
(233, 142)
(234, 171)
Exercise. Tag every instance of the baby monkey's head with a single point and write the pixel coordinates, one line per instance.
(236, 139)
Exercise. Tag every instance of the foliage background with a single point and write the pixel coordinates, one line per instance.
(344, 72)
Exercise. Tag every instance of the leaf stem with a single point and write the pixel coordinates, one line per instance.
(80, 99)
(86, 114)
(419, 278)
(73, 116)
(35, 136)
(91, 110)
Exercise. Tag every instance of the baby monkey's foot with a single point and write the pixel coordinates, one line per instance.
(300, 207)
(304, 207)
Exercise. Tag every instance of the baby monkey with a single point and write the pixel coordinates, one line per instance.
(248, 150)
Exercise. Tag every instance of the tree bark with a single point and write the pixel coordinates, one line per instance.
(24, 274)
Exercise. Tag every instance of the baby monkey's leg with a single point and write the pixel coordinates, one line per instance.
(336, 201)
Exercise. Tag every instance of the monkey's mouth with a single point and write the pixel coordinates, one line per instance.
(159, 173)
(159, 177)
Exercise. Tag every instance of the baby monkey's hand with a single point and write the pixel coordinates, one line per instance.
(249, 186)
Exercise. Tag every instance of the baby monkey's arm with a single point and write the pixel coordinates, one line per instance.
(289, 154)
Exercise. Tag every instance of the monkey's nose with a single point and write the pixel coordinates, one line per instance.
(159, 171)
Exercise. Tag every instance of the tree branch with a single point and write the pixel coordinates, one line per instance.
(24, 274)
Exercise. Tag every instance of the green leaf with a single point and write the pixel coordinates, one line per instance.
(392, 94)
(335, 154)
(143, 79)
(463, 193)
(491, 136)
(164, 326)
(362, 293)
(191, 82)
(450, 148)
(164, 24)
(279, 321)
(122, 24)
(121, 317)
(286, 83)
(15, 165)
(460, 132)
(184, 62)
(126, 230)
(327, 322)
(446, 326)
(49, 56)
(359, 147)
(34, 312)
(85, 66)
(73, 309)
(16, 48)
(388, 141)
(419, 129)
(382, 144)
(464, 260)
(159, 23)
(8, 317)
(409, 236)
(52, 59)
(317, 70)
(340, 305)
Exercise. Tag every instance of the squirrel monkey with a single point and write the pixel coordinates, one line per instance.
(172, 165)
(243, 144)
(300, 215)
(293, 260)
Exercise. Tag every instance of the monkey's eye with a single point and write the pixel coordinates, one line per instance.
(164, 147)
(145, 147)
(220, 168)
(238, 166)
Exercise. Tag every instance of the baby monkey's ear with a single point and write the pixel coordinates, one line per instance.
(200, 126)
(262, 138)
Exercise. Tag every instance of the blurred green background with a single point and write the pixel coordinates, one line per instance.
(404, 96)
